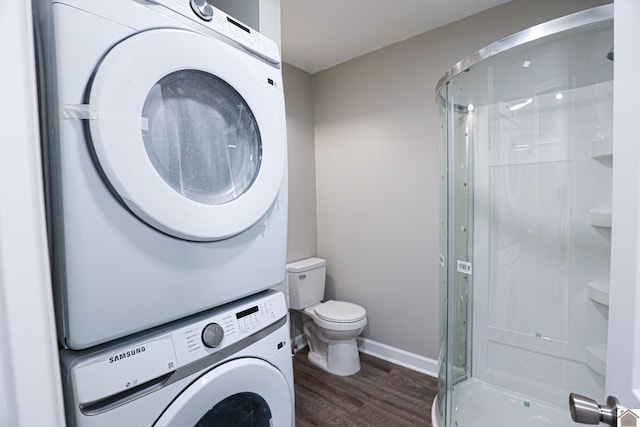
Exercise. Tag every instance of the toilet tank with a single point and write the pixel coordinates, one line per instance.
(306, 282)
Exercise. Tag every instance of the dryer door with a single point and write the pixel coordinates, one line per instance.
(242, 392)
(186, 133)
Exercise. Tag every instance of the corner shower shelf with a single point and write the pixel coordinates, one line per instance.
(602, 151)
(596, 359)
(598, 293)
(600, 218)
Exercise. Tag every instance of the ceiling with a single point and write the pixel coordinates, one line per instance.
(317, 35)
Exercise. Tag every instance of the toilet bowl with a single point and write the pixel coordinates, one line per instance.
(330, 327)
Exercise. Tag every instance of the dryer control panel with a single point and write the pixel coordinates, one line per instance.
(124, 366)
(201, 11)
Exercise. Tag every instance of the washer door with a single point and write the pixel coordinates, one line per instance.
(185, 134)
(243, 392)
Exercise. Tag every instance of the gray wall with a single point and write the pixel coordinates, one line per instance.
(302, 241)
(375, 136)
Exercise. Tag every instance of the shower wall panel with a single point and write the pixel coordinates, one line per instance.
(539, 183)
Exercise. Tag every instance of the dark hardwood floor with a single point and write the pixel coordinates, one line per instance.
(381, 394)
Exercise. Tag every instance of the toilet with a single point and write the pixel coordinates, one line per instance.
(330, 327)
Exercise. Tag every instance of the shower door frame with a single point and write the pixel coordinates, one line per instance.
(623, 347)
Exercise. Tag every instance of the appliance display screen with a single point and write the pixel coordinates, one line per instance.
(239, 25)
(246, 312)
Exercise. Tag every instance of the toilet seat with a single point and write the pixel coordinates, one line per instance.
(340, 311)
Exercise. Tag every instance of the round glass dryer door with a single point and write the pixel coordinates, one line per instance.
(186, 137)
(201, 137)
(243, 393)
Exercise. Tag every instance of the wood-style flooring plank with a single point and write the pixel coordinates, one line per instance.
(381, 394)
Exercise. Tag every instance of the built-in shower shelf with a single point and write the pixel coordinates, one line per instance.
(596, 359)
(600, 217)
(602, 151)
(598, 292)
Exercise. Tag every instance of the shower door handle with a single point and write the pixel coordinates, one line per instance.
(587, 411)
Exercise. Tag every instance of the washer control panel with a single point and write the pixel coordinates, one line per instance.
(200, 339)
(201, 11)
(120, 367)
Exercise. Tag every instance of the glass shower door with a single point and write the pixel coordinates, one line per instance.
(527, 245)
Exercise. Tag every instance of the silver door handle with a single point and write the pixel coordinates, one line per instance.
(587, 411)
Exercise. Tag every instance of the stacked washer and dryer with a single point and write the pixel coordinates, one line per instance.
(164, 149)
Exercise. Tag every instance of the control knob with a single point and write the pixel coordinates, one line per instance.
(212, 335)
(202, 8)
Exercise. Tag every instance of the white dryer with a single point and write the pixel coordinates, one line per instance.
(165, 158)
(230, 366)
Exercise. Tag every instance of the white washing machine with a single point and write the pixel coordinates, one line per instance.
(230, 366)
(165, 158)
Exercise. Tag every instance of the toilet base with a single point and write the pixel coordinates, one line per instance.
(317, 359)
(342, 358)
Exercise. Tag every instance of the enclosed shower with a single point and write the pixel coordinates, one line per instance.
(525, 224)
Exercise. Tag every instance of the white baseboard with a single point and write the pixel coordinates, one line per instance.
(399, 357)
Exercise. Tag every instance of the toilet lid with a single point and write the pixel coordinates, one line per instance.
(340, 311)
